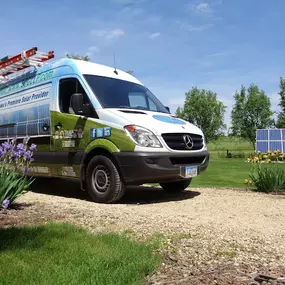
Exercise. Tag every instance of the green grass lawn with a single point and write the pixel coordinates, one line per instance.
(226, 172)
(63, 254)
(223, 173)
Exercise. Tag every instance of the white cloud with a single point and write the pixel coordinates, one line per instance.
(222, 53)
(108, 34)
(154, 35)
(191, 28)
(274, 100)
(203, 8)
(91, 50)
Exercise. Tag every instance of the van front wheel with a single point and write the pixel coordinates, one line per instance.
(103, 180)
(175, 186)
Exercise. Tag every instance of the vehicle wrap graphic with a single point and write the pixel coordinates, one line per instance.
(71, 127)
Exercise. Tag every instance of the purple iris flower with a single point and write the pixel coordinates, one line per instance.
(28, 155)
(16, 154)
(20, 146)
(5, 204)
(27, 169)
(6, 146)
(33, 147)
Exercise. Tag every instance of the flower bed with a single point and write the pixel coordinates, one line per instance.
(265, 178)
(275, 156)
(15, 160)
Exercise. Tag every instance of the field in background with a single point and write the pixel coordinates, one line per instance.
(233, 144)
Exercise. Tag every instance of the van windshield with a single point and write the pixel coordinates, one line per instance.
(115, 93)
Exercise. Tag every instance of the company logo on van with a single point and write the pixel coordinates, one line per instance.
(167, 119)
(188, 141)
(39, 78)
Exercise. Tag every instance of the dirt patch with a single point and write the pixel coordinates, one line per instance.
(208, 236)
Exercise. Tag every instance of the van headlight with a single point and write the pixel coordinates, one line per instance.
(142, 137)
(204, 143)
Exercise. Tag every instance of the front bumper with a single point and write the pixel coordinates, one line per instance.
(144, 167)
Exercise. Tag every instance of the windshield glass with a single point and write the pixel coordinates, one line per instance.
(115, 93)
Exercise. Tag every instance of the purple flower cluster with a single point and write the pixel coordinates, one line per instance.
(14, 158)
(17, 155)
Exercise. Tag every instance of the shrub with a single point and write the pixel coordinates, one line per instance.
(267, 178)
(15, 160)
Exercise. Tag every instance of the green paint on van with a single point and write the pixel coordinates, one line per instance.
(64, 124)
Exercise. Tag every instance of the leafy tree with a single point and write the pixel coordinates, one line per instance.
(251, 111)
(281, 116)
(77, 56)
(202, 109)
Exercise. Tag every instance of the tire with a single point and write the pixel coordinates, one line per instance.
(103, 180)
(175, 186)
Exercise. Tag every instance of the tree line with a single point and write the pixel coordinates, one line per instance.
(251, 111)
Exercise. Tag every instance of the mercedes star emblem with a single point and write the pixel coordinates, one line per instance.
(188, 141)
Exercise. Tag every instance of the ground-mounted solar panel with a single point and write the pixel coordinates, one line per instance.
(270, 139)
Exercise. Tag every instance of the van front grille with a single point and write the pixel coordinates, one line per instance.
(183, 141)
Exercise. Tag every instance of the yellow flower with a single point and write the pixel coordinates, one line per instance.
(246, 181)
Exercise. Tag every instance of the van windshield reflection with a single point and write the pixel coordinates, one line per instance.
(115, 93)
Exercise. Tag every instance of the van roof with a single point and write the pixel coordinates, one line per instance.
(74, 66)
(91, 68)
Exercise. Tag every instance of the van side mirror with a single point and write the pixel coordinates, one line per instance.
(167, 108)
(76, 103)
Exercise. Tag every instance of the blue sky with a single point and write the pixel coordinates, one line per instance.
(171, 45)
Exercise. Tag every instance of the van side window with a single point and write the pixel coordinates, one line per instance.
(67, 87)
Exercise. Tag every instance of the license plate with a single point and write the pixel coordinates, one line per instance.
(191, 171)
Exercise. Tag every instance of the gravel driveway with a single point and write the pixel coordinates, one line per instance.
(209, 236)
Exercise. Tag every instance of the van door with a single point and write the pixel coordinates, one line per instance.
(70, 134)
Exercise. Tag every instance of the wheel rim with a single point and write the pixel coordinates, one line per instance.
(101, 179)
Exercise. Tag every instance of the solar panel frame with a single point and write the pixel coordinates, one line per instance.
(274, 138)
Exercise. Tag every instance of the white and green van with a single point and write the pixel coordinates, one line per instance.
(101, 126)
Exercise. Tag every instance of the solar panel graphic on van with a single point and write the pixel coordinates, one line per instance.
(26, 113)
(31, 122)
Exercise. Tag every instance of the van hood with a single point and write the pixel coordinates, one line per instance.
(157, 122)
